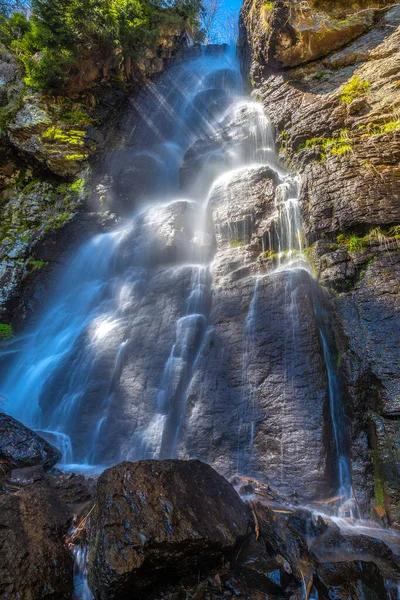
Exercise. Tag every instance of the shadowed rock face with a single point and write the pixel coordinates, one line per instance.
(172, 518)
(259, 391)
(35, 561)
(337, 120)
(22, 447)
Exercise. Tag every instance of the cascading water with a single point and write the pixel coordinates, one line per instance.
(106, 372)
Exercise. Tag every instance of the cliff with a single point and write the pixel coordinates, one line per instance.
(328, 76)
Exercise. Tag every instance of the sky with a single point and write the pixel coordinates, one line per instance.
(226, 19)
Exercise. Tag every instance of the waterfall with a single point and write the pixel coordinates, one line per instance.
(111, 368)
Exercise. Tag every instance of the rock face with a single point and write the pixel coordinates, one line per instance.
(166, 529)
(36, 563)
(336, 118)
(22, 447)
(156, 521)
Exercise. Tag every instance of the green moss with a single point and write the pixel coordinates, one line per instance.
(268, 5)
(353, 243)
(372, 129)
(236, 244)
(75, 114)
(354, 88)
(35, 264)
(77, 157)
(339, 145)
(341, 149)
(6, 332)
(72, 136)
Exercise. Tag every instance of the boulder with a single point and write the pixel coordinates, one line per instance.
(285, 540)
(155, 521)
(35, 562)
(22, 447)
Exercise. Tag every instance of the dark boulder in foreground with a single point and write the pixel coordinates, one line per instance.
(156, 521)
(35, 561)
(22, 447)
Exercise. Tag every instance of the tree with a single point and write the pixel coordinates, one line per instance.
(218, 24)
(209, 17)
(60, 33)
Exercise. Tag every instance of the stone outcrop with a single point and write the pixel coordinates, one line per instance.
(327, 75)
(22, 447)
(163, 529)
(155, 522)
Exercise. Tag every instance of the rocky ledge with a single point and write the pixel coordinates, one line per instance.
(327, 74)
(171, 529)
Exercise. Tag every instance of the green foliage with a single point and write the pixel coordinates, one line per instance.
(60, 33)
(6, 332)
(236, 244)
(341, 149)
(355, 243)
(48, 71)
(35, 264)
(13, 29)
(354, 88)
(340, 145)
(373, 129)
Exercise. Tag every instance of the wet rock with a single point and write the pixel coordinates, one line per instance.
(230, 146)
(22, 447)
(260, 568)
(259, 419)
(240, 205)
(333, 546)
(35, 561)
(350, 579)
(285, 540)
(165, 234)
(156, 521)
(159, 334)
(348, 160)
(26, 475)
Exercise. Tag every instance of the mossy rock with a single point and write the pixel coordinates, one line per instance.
(63, 148)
